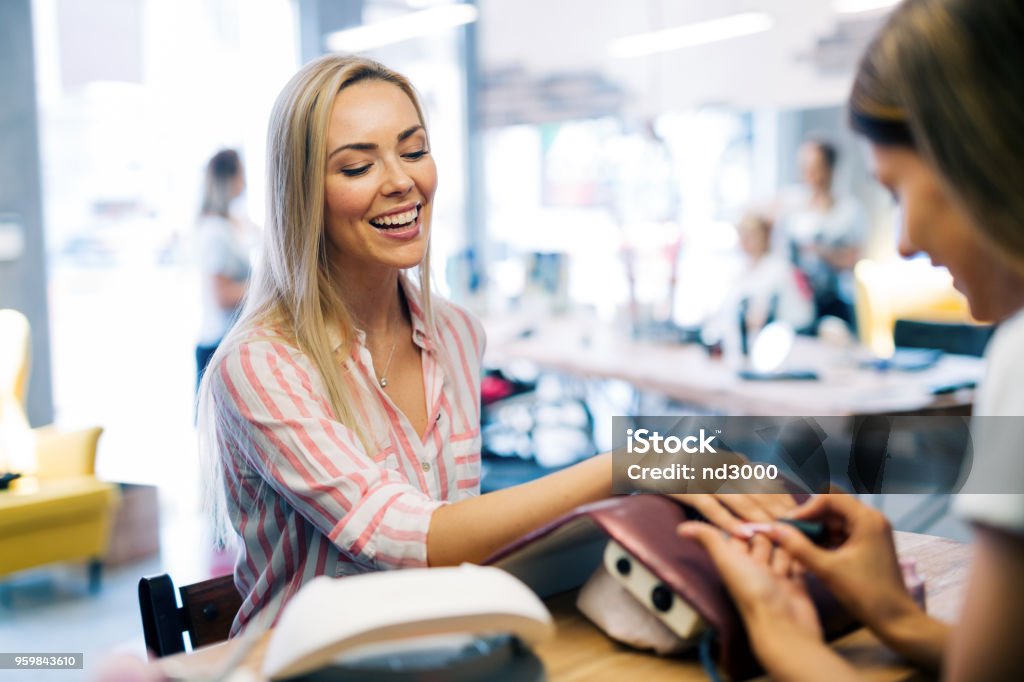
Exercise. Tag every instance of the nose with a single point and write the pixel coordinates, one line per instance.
(396, 181)
(907, 248)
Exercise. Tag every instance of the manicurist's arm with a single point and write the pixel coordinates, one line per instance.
(986, 644)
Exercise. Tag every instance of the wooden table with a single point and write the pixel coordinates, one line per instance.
(574, 345)
(579, 652)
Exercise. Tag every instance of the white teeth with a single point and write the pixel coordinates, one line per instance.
(398, 218)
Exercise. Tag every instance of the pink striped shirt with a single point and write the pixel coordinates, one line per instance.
(304, 494)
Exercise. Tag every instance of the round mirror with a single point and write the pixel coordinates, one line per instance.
(771, 347)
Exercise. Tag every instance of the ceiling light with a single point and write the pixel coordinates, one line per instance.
(689, 35)
(400, 29)
(858, 6)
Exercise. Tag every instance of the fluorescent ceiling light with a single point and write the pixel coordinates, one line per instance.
(689, 35)
(400, 29)
(858, 6)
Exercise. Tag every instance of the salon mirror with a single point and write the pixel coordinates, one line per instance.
(772, 347)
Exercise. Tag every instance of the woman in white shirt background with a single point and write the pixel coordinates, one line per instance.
(938, 96)
(767, 289)
(823, 232)
(224, 243)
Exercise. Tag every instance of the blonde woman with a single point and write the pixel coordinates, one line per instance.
(938, 95)
(341, 417)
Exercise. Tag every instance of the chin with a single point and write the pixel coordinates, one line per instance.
(411, 258)
(981, 307)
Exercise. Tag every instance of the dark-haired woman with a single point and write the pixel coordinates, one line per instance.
(224, 243)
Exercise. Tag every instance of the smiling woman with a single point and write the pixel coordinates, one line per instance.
(340, 419)
(380, 185)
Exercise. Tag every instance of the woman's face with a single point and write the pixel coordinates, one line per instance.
(380, 179)
(934, 222)
(813, 168)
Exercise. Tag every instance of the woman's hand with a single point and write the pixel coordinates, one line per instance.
(768, 589)
(730, 511)
(766, 584)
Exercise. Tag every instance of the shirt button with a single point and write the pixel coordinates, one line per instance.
(426, 466)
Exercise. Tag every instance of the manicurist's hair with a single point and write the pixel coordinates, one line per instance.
(946, 77)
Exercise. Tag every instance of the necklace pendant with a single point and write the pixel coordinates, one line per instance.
(383, 382)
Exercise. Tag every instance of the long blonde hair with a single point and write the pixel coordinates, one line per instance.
(946, 78)
(293, 292)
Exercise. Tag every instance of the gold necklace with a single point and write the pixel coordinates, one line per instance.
(383, 381)
(384, 375)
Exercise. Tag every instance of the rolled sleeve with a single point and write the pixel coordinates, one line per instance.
(273, 404)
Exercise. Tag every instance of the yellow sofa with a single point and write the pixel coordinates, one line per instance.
(902, 290)
(58, 511)
(59, 514)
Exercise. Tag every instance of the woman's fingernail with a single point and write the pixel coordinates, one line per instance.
(748, 530)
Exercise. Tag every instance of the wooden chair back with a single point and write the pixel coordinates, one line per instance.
(207, 610)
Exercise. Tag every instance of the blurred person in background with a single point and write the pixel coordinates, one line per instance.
(224, 244)
(824, 234)
(767, 289)
(938, 95)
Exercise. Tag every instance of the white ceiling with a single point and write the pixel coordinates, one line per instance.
(768, 70)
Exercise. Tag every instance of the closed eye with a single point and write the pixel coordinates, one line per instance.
(355, 172)
(413, 156)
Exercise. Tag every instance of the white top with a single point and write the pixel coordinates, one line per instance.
(223, 250)
(844, 224)
(1000, 395)
(771, 286)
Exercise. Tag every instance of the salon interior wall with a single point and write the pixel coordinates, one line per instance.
(793, 79)
(23, 270)
(776, 68)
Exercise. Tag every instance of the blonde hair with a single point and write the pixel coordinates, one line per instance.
(293, 292)
(941, 77)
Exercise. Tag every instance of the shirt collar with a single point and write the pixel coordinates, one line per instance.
(421, 334)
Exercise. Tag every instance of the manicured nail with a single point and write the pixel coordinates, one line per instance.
(748, 530)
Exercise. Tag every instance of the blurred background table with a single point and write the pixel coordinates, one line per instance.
(686, 373)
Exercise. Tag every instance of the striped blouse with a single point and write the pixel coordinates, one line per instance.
(304, 495)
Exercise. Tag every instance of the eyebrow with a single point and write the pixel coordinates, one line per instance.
(370, 146)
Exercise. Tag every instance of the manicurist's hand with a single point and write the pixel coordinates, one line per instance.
(859, 561)
(859, 565)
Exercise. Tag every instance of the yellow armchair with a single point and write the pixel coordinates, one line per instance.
(59, 511)
(902, 290)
